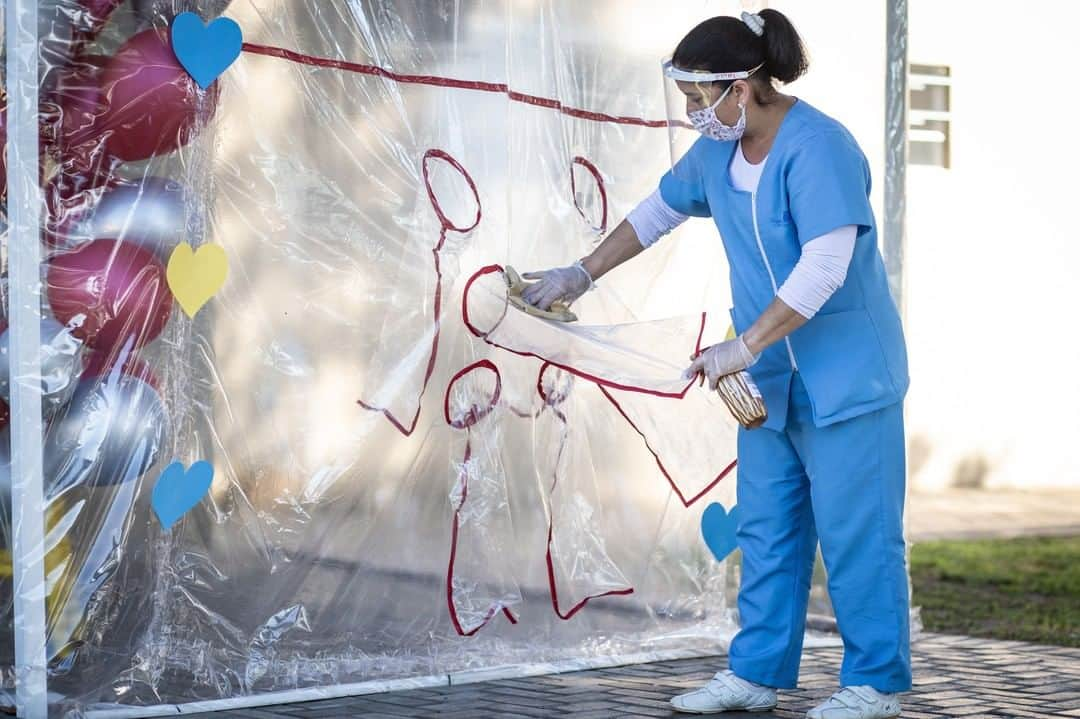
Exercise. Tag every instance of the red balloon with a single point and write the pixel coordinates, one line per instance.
(148, 104)
(3, 154)
(77, 162)
(119, 288)
(5, 410)
(70, 197)
(101, 9)
(102, 363)
(78, 100)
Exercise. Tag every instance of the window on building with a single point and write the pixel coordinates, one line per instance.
(928, 115)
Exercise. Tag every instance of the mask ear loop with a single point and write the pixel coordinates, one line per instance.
(714, 105)
(749, 74)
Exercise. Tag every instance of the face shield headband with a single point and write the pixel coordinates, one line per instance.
(696, 76)
(704, 119)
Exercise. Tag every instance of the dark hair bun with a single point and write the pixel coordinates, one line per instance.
(728, 44)
(785, 54)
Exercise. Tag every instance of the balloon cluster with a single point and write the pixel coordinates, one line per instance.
(107, 237)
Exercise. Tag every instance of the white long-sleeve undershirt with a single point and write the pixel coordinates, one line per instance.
(653, 218)
(820, 271)
(823, 263)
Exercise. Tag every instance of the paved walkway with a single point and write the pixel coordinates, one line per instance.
(954, 677)
(985, 513)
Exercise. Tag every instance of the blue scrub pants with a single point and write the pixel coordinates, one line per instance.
(843, 485)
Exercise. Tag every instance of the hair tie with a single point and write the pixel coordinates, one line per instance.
(755, 22)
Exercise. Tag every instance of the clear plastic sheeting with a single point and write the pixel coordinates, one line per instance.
(646, 357)
(398, 490)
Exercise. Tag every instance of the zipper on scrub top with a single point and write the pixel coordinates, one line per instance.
(768, 268)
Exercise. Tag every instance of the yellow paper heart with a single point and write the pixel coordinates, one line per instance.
(196, 275)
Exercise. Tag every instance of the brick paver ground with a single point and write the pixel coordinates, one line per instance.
(954, 677)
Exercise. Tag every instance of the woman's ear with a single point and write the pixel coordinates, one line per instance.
(742, 92)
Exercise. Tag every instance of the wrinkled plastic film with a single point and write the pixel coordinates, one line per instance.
(645, 357)
(579, 567)
(480, 576)
(398, 490)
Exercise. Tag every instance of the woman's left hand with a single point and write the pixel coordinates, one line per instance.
(719, 360)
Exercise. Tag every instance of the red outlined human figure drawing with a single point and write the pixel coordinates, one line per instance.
(411, 394)
(479, 577)
(642, 389)
(599, 224)
(577, 559)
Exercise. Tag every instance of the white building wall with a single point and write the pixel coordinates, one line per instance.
(992, 252)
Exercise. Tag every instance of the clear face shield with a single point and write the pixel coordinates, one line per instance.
(691, 98)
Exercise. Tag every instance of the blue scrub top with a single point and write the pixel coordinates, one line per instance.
(851, 355)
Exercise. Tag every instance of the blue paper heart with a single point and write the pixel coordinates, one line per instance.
(178, 490)
(718, 529)
(205, 51)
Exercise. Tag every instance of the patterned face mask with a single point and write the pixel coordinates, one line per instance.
(708, 124)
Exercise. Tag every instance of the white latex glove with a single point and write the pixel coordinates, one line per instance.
(561, 283)
(721, 359)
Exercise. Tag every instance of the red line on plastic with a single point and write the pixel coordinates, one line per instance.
(659, 463)
(475, 413)
(450, 569)
(490, 269)
(470, 419)
(552, 402)
(566, 616)
(549, 400)
(602, 384)
(446, 225)
(438, 81)
(599, 186)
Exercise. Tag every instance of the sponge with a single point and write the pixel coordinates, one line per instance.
(559, 311)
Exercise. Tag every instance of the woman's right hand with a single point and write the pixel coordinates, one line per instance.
(562, 283)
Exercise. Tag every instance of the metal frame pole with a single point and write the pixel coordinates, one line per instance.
(896, 104)
(24, 285)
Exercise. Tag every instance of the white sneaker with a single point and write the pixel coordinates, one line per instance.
(862, 702)
(726, 692)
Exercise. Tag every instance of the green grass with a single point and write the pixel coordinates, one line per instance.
(1026, 589)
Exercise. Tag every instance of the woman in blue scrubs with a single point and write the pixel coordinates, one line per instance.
(816, 327)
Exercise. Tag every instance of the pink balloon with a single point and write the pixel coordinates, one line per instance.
(118, 288)
(78, 155)
(5, 410)
(77, 97)
(147, 103)
(3, 154)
